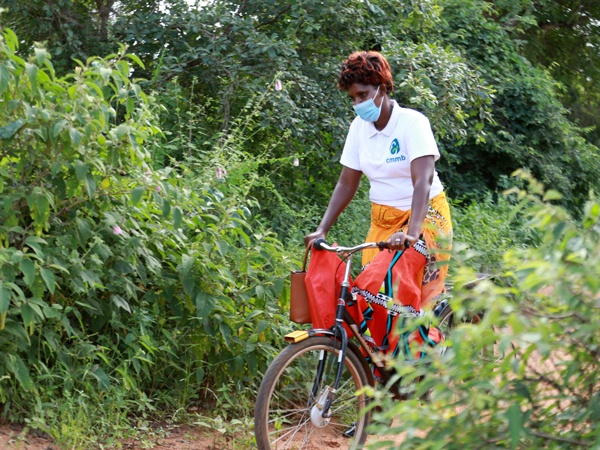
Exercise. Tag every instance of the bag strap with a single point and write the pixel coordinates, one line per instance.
(306, 252)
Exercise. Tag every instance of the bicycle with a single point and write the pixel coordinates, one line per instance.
(313, 394)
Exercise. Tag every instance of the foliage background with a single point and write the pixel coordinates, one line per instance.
(152, 205)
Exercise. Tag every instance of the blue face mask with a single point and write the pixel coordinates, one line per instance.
(367, 110)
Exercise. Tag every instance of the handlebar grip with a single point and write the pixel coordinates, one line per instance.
(383, 245)
(317, 243)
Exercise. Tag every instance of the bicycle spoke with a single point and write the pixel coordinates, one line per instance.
(283, 419)
(290, 432)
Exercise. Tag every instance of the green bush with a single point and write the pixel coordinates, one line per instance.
(122, 288)
(526, 376)
(488, 228)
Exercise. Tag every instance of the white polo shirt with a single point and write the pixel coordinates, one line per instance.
(385, 156)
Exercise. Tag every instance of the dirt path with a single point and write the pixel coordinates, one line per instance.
(173, 438)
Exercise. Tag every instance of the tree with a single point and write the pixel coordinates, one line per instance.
(566, 41)
(72, 29)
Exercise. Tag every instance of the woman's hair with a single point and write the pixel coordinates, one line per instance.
(366, 68)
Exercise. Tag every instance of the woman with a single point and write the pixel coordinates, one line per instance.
(395, 148)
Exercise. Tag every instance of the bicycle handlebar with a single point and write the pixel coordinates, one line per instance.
(320, 244)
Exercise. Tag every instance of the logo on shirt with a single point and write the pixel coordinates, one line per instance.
(394, 150)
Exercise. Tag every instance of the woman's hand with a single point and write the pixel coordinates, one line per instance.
(397, 241)
(310, 238)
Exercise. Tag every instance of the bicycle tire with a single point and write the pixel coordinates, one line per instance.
(285, 401)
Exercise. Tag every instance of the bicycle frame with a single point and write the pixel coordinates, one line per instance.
(338, 332)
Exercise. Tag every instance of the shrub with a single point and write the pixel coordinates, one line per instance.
(122, 288)
(526, 376)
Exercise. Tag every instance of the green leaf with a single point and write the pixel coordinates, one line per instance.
(177, 217)
(136, 59)
(122, 130)
(187, 262)
(76, 136)
(48, 277)
(32, 72)
(105, 72)
(4, 77)
(103, 379)
(90, 185)
(81, 170)
(189, 284)
(27, 314)
(11, 39)
(515, 423)
(120, 302)
(199, 375)
(4, 298)
(136, 194)
(204, 305)
(166, 208)
(18, 367)
(41, 55)
(253, 314)
(58, 127)
(551, 194)
(225, 333)
(8, 131)
(28, 270)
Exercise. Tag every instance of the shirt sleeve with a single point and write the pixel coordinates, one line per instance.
(420, 140)
(350, 156)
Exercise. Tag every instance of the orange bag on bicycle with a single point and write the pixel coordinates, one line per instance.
(390, 288)
(323, 283)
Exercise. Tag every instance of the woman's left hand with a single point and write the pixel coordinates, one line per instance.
(398, 241)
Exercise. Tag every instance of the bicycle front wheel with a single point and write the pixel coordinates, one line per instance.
(287, 415)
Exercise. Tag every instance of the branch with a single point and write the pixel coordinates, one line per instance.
(560, 439)
(274, 19)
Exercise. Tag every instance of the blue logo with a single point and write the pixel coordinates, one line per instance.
(395, 150)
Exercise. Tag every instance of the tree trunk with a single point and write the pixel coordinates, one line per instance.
(104, 10)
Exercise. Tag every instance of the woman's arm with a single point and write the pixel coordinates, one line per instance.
(421, 171)
(343, 193)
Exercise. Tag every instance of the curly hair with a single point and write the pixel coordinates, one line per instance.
(366, 68)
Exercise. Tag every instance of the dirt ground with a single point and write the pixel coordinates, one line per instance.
(12, 437)
(175, 438)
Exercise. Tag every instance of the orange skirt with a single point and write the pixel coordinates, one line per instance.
(437, 234)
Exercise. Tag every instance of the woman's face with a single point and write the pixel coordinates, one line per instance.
(358, 93)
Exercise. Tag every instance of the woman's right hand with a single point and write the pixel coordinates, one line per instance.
(310, 238)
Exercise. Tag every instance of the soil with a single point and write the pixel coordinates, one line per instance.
(13, 437)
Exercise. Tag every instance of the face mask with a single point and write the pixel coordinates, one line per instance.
(367, 110)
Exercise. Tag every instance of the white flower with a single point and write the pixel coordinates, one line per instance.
(278, 85)
(117, 230)
(296, 162)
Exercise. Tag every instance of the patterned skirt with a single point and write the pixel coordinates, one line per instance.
(437, 234)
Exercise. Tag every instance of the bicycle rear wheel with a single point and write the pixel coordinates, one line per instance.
(449, 320)
(299, 376)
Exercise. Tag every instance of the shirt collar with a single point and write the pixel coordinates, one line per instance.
(391, 125)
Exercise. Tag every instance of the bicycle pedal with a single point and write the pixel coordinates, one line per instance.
(350, 430)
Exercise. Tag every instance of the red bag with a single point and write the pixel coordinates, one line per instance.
(395, 275)
(323, 283)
